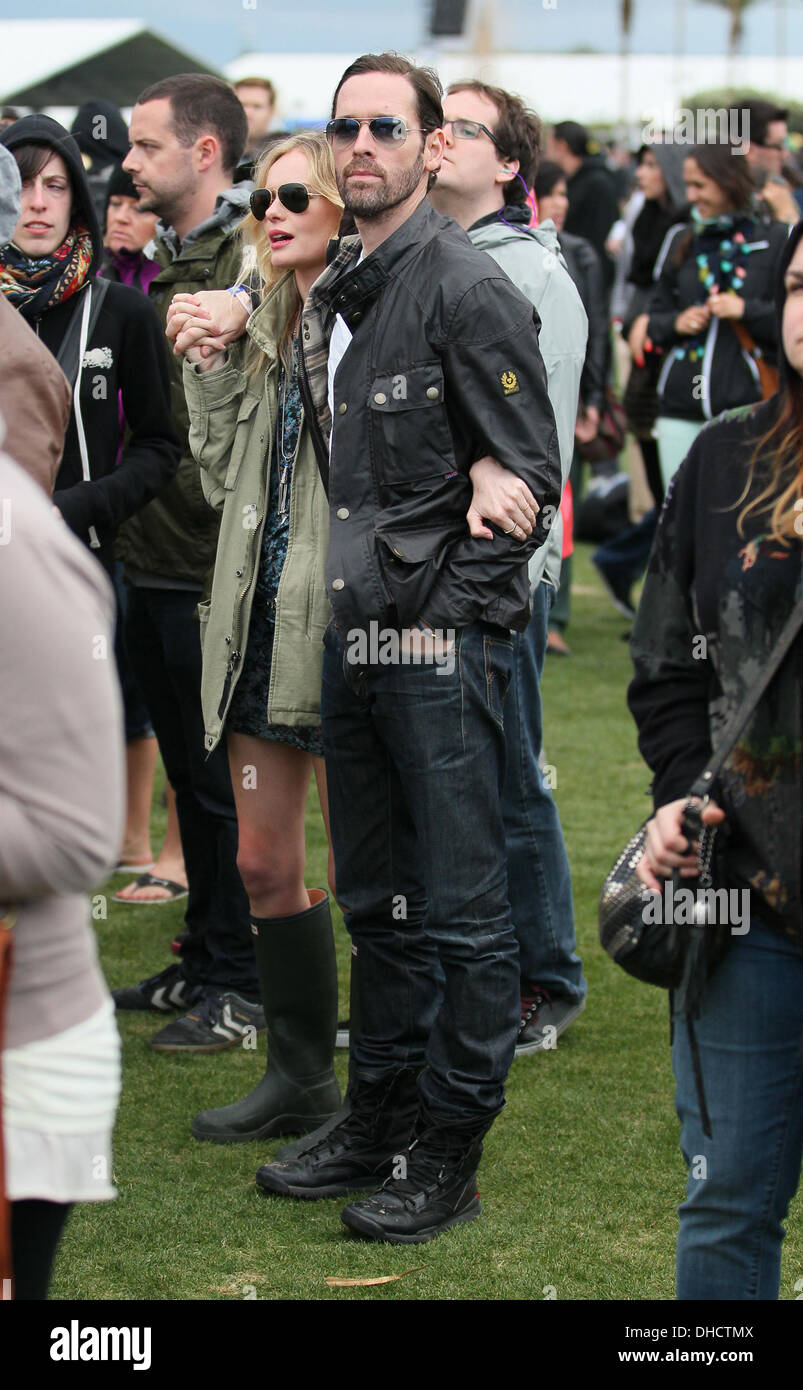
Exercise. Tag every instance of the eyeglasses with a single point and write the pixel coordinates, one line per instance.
(470, 130)
(293, 196)
(386, 130)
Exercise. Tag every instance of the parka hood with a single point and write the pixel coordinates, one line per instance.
(43, 130)
(231, 207)
(510, 224)
(670, 158)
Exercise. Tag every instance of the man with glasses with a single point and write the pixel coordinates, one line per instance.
(763, 128)
(419, 358)
(489, 165)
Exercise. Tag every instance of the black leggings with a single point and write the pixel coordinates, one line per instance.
(36, 1228)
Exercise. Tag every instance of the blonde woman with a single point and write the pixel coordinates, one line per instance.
(262, 634)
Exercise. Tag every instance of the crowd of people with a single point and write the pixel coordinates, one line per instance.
(321, 405)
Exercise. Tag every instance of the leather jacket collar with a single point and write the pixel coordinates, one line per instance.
(346, 288)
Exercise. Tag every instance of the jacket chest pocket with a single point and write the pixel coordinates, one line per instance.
(409, 424)
(242, 435)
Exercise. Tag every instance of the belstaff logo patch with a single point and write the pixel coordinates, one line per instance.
(510, 383)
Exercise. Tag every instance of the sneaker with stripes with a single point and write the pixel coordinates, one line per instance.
(162, 994)
(220, 1019)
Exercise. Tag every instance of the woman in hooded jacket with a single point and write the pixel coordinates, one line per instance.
(724, 577)
(106, 337)
(659, 175)
(711, 309)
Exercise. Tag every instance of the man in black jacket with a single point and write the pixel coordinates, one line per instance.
(419, 357)
(593, 208)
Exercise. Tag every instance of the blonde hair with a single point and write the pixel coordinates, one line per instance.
(321, 179)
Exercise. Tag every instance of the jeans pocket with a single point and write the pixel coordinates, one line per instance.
(498, 657)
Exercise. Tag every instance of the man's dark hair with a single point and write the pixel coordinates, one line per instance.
(263, 82)
(548, 177)
(575, 136)
(202, 103)
(424, 81)
(761, 114)
(517, 130)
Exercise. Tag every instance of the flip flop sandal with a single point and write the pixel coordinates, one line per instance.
(175, 891)
(134, 868)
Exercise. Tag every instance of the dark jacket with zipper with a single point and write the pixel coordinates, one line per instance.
(125, 355)
(722, 374)
(583, 264)
(443, 367)
(593, 208)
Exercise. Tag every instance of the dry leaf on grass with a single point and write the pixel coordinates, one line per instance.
(335, 1283)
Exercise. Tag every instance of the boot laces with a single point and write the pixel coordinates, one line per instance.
(532, 999)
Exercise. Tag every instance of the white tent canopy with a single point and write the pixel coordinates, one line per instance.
(61, 62)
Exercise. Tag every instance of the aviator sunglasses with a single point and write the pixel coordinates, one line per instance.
(293, 196)
(386, 130)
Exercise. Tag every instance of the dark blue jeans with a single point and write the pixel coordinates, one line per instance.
(742, 1179)
(539, 880)
(628, 552)
(164, 646)
(414, 763)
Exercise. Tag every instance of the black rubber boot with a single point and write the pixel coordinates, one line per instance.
(298, 980)
(308, 1141)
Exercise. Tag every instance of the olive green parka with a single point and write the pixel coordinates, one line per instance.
(232, 436)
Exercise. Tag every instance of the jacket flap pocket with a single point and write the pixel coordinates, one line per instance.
(241, 438)
(413, 547)
(413, 389)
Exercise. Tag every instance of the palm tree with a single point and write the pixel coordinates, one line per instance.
(625, 25)
(736, 9)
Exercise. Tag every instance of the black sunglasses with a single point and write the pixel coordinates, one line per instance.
(470, 130)
(293, 196)
(386, 130)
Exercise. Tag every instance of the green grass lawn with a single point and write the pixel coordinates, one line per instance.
(582, 1173)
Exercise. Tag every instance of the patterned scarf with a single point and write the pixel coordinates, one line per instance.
(34, 284)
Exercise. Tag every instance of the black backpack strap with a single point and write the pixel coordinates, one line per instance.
(67, 355)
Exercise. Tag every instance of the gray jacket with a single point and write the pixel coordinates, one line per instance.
(532, 259)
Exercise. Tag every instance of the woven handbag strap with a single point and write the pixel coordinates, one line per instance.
(738, 720)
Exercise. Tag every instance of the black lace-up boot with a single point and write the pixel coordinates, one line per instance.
(357, 1153)
(432, 1186)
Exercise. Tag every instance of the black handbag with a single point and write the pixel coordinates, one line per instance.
(609, 440)
(640, 399)
(677, 955)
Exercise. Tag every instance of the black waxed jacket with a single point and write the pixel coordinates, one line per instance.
(443, 368)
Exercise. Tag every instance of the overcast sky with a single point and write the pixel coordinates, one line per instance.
(220, 30)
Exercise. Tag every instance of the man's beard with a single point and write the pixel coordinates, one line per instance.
(162, 204)
(368, 202)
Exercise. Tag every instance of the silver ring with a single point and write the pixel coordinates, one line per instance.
(512, 531)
